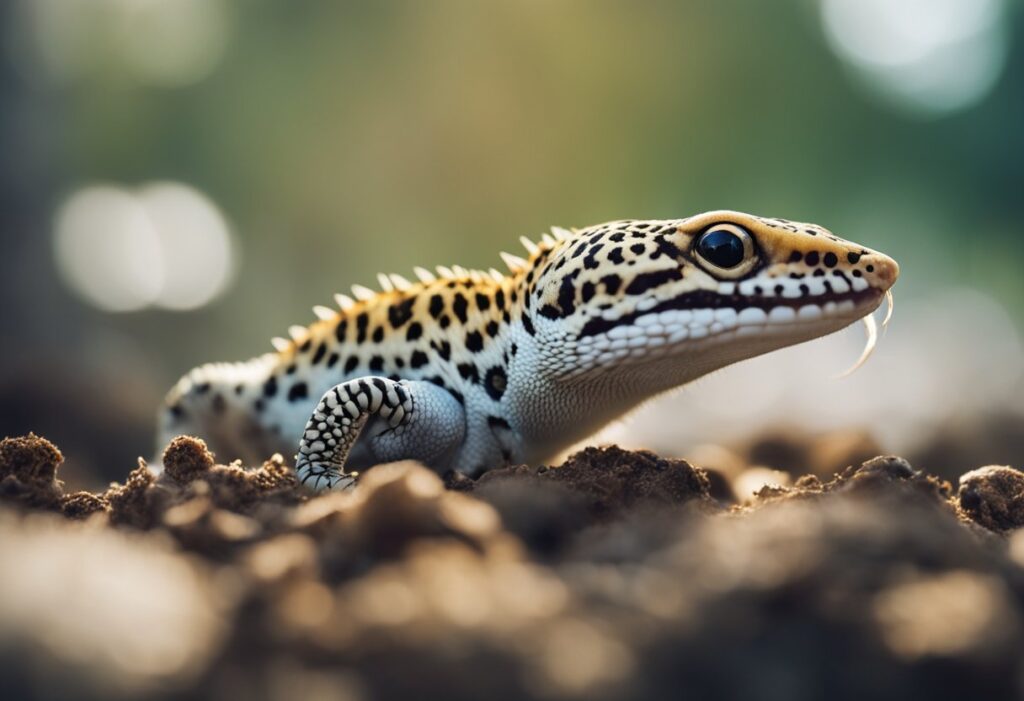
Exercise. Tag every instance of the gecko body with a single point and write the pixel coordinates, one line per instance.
(470, 370)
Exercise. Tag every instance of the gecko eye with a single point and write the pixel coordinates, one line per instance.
(726, 250)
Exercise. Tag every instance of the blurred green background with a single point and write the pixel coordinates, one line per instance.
(182, 179)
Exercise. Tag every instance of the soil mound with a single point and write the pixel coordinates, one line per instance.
(616, 575)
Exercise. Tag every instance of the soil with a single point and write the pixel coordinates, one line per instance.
(616, 575)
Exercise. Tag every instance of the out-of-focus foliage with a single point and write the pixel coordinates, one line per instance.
(340, 138)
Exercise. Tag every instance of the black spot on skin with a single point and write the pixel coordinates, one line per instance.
(362, 321)
(549, 311)
(458, 395)
(259, 405)
(795, 257)
(567, 294)
(590, 262)
(176, 411)
(321, 351)
(394, 378)
(469, 372)
(474, 342)
(804, 289)
(615, 256)
(436, 306)
(492, 328)
(306, 344)
(376, 363)
(239, 389)
(400, 312)
(290, 370)
(611, 283)
(378, 334)
(528, 325)
(414, 331)
(418, 359)
(587, 291)
(483, 302)
(495, 382)
(515, 349)
(270, 387)
(667, 247)
(870, 268)
(459, 306)
(857, 273)
(811, 258)
(499, 299)
(617, 237)
(779, 288)
(444, 349)
(202, 388)
(797, 276)
(333, 360)
(298, 391)
(218, 403)
(445, 321)
(351, 364)
(437, 380)
(647, 281)
(341, 329)
(497, 422)
(853, 257)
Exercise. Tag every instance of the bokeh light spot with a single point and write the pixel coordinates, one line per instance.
(107, 249)
(195, 245)
(166, 245)
(926, 56)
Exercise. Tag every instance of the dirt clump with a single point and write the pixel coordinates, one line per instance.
(612, 480)
(28, 472)
(137, 502)
(993, 497)
(187, 458)
(82, 505)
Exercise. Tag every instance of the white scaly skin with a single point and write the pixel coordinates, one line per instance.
(474, 370)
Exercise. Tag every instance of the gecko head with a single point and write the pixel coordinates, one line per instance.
(709, 290)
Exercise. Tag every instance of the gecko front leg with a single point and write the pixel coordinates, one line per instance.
(412, 420)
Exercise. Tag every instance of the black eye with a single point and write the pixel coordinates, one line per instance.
(721, 248)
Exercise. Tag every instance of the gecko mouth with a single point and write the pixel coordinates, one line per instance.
(807, 307)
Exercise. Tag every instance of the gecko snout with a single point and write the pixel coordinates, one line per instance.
(879, 270)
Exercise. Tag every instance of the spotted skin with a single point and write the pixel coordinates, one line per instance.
(470, 370)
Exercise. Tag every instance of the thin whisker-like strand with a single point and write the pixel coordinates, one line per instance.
(871, 330)
(888, 312)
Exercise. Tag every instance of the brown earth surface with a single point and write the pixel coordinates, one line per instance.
(616, 575)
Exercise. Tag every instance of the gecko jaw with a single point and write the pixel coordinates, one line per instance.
(669, 327)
